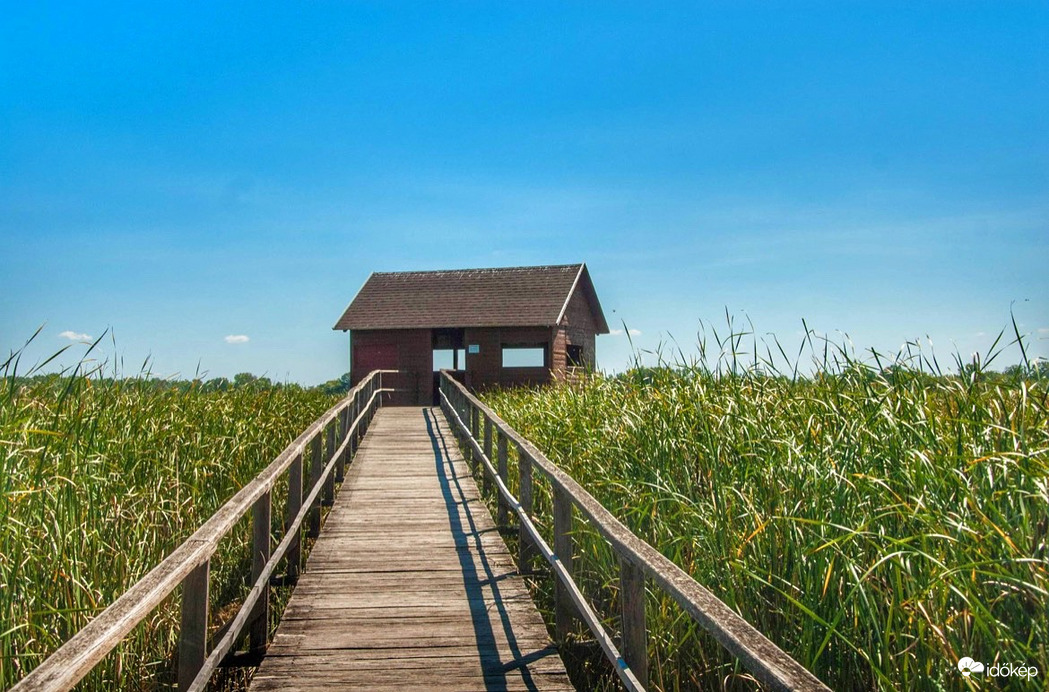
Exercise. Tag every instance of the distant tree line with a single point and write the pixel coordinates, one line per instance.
(242, 380)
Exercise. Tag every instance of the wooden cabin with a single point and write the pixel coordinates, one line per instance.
(495, 327)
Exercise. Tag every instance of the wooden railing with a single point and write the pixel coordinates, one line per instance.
(637, 559)
(327, 445)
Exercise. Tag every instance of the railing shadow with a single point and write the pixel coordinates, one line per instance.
(468, 535)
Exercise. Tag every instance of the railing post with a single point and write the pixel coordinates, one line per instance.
(563, 549)
(329, 480)
(486, 482)
(315, 476)
(501, 446)
(351, 449)
(635, 631)
(340, 468)
(193, 634)
(475, 429)
(356, 413)
(260, 555)
(368, 402)
(366, 405)
(527, 550)
(294, 555)
(457, 404)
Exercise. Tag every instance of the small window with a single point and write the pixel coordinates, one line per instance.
(575, 355)
(443, 358)
(524, 356)
(448, 359)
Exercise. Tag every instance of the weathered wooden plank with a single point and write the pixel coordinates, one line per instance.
(419, 656)
(397, 681)
(409, 566)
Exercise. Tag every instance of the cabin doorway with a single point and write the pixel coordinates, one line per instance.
(449, 353)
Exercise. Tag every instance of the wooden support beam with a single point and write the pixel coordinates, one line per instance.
(316, 464)
(294, 559)
(340, 468)
(357, 412)
(635, 630)
(475, 430)
(527, 550)
(351, 449)
(504, 476)
(486, 482)
(193, 634)
(565, 610)
(329, 480)
(260, 555)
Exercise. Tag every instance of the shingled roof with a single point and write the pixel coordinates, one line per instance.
(505, 297)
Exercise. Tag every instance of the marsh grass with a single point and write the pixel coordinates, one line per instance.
(877, 518)
(102, 477)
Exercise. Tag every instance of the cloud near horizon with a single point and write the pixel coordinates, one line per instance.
(237, 339)
(74, 336)
(619, 332)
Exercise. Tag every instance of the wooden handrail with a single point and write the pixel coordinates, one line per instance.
(766, 661)
(189, 563)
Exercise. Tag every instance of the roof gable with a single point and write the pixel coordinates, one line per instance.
(504, 297)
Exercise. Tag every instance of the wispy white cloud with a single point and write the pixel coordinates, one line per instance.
(237, 339)
(1043, 330)
(619, 332)
(74, 336)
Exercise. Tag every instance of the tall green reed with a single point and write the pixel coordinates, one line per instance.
(877, 518)
(102, 476)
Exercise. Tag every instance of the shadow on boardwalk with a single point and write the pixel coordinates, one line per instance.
(473, 581)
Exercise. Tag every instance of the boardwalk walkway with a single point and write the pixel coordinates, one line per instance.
(409, 584)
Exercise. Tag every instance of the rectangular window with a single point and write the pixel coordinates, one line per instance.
(445, 359)
(524, 356)
(442, 359)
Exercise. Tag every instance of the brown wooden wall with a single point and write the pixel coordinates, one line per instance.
(413, 349)
(577, 327)
(414, 359)
(485, 369)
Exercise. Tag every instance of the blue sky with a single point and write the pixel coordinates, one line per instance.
(189, 172)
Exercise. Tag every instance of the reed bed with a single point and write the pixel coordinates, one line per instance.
(877, 518)
(102, 477)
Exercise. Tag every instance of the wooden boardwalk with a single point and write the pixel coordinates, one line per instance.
(409, 584)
